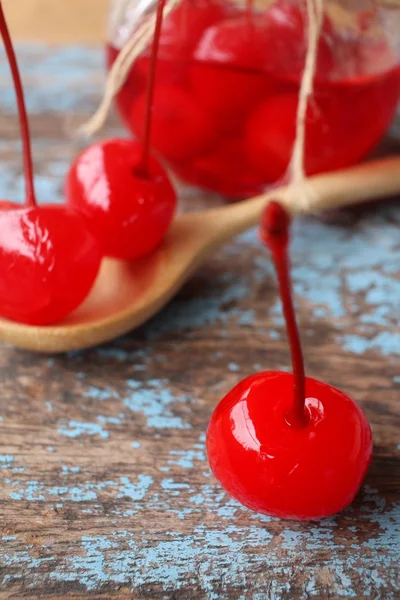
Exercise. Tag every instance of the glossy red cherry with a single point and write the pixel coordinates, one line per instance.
(123, 191)
(287, 40)
(282, 444)
(49, 259)
(129, 211)
(270, 466)
(183, 28)
(225, 76)
(181, 128)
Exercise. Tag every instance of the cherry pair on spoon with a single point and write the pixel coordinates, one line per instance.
(288, 445)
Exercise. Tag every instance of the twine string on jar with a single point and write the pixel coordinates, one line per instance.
(121, 67)
(315, 13)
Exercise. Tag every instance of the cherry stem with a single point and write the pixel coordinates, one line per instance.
(30, 198)
(275, 233)
(150, 89)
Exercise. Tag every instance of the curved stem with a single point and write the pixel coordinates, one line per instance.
(30, 199)
(144, 168)
(275, 232)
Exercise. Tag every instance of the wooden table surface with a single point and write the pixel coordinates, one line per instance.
(105, 491)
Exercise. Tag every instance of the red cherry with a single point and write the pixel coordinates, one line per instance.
(336, 135)
(180, 129)
(271, 131)
(287, 39)
(270, 134)
(130, 212)
(240, 42)
(48, 262)
(226, 75)
(123, 191)
(48, 257)
(286, 445)
(309, 472)
(180, 32)
(222, 168)
(183, 28)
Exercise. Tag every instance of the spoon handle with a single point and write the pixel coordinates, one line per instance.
(367, 181)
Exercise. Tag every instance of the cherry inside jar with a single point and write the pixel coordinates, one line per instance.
(227, 85)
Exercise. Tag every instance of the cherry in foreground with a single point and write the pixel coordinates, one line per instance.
(288, 445)
(49, 259)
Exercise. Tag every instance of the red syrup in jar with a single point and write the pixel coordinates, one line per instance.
(227, 91)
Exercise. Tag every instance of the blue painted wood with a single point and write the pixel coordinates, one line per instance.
(105, 489)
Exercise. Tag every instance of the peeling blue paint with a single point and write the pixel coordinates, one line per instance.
(111, 420)
(113, 353)
(6, 460)
(186, 458)
(155, 401)
(211, 308)
(74, 429)
(66, 470)
(135, 491)
(174, 487)
(216, 560)
(99, 394)
(52, 98)
(123, 487)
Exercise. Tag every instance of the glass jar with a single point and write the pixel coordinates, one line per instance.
(227, 85)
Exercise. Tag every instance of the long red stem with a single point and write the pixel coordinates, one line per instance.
(150, 89)
(275, 233)
(30, 198)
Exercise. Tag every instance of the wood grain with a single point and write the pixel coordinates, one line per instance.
(105, 491)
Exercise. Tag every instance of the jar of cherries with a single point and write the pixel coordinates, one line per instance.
(227, 86)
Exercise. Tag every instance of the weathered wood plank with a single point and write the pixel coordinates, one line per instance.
(104, 486)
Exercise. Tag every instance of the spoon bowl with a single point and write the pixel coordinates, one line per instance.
(127, 294)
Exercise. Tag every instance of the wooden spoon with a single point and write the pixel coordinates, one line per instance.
(126, 295)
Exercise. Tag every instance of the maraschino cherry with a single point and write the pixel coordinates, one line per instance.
(287, 445)
(49, 259)
(227, 61)
(181, 127)
(123, 191)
